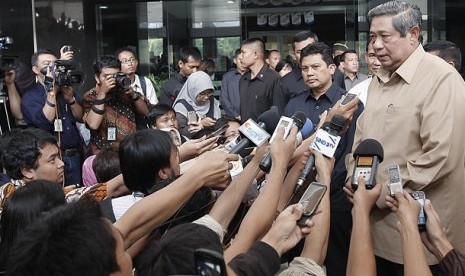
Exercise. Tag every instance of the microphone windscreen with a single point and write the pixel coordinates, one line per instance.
(299, 119)
(270, 118)
(370, 147)
(337, 122)
(307, 129)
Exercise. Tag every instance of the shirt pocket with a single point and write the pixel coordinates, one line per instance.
(401, 119)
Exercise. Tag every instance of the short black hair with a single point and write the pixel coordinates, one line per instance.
(35, 56)
(223, 120)
(237, 52)
(173, 254)
(208, 66)
(343, 55)
(23, 150)
(27, 204)
(158, 110)
(303, 35)
(258, 42)
(126, 49)
(189, 51)
(5, 140)
(74, 239)
(108, 61)
(141, 155)
(337, 60)
(318, 48)
(106, 164)
(283, 63)
(446, 50)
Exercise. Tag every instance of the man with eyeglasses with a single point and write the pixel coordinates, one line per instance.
(139, 84)
(416, 113)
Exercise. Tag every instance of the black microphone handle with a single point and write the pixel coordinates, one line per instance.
(240, 146)
(244, 142)
(305, 172)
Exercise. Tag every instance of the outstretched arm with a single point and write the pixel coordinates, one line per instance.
(154, 209)
(263, 211)
(361, 253)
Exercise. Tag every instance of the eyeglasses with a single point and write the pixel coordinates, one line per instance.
(205, 95)
(126, 60)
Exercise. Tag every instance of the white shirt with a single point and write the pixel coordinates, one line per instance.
(150, 93)
(123, 203)
(361, 90)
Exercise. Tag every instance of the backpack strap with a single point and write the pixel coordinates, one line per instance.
(143, 85)
(185, 104)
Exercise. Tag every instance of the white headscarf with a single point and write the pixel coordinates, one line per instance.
(196, 83)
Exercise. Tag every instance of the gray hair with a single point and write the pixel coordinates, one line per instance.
(405, 15)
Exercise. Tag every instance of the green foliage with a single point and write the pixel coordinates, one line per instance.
(157, 81)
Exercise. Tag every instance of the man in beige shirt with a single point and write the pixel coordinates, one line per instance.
(416, 110)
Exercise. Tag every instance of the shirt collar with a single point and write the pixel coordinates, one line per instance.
(332, 94)
(347, 76)
(407, 69)
(260, 75)
(180, 77)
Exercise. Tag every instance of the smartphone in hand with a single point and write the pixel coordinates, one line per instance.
(310, 200)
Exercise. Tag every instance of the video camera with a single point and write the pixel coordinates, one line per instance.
(63, 73)
(7, 63)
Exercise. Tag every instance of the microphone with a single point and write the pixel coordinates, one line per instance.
(368, 155)
(256, 133)
(329, 132)
(300, 120)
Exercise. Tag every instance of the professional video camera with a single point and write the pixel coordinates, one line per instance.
(63, 73)
(7, 63)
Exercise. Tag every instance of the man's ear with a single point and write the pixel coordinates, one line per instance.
(164, 173)
(28, 173)
(97, 79)
(180, 64)
(35, 69)
(415, 33)
(332, 68)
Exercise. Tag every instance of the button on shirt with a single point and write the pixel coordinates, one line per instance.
(33, 102)
(313, 108)
(229, 97)
(257, 95)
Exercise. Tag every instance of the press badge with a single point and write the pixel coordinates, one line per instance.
(111, 135)
(58, 125)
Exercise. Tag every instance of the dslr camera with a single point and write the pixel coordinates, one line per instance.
(123, 82)
(63, 73)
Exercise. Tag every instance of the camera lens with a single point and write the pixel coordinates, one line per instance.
(67, 48)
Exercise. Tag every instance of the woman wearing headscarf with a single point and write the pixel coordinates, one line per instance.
(196, 96)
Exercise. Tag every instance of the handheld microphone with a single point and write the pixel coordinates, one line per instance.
(300, 120)
(330, 133)
(368, 155)
(256, 133)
